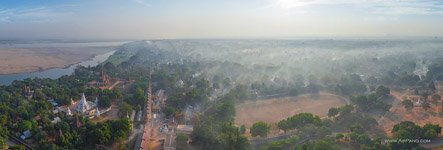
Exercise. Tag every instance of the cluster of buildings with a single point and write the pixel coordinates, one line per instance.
(86, 108)
(83, 107)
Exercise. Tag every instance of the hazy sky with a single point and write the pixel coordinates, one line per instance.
(155, 19)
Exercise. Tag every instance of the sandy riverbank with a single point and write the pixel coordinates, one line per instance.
(19, 60)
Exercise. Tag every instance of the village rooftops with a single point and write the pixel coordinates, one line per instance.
(26, 134)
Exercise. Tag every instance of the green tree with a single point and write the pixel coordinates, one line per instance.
(124, 109)
(345, 110)
(25, 125)
(139, 96)
(283, 125)
(119, 136)
(205, 135)
(406, 130)
(2, 144)
(104, 102)
(19, 147)
(260, 129)
(339, 136)
(242, 129)
(302, 119)
(363, 139)
(3, 131)
(357, 128)
(324, 145)
(101, 133)
(431, 130)
(426, 105)
(231, 137)
(407, 104)
(226, 82)
(275, 146)
(430, 134)
(122, 146)
(311, 131)
(382, 91)
(333, 112)
(168, 111)
(225, 111)
(182, 141)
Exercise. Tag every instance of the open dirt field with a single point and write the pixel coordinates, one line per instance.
(417, 115)
(276, 109)
(18, 60)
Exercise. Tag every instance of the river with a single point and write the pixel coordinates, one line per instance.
(55, 72)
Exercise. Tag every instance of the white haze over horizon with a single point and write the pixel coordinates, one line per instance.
(172, 19)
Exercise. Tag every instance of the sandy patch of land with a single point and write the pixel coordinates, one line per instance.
(18, 60)
(276, 109)
(417, 115)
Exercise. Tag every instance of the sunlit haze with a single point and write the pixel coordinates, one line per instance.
(171, 19)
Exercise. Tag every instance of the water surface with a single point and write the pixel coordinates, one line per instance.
(55, 72)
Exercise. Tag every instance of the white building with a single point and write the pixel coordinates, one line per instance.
(85, 107)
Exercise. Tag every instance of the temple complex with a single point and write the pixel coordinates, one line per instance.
(86, 108)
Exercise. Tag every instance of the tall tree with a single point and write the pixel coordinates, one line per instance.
(407, 104)
(382, 91)
(104, 102)
(260, 129)
(333, 112)
(426, 105)
(182, 141)
(231, 137)
(124, 109)
(139, 97)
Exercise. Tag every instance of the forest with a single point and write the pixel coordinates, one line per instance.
(215, 76)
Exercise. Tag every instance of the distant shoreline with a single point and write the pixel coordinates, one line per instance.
(29, 60)
(40, 57)
(45, 69)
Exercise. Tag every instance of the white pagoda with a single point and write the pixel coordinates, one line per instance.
(85, 107)
(82, 105)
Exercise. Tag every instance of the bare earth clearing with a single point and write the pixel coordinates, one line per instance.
(417, 115)
(276, 109)
(18, 60)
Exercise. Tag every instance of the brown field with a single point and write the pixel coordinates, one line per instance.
(276, 109)
(417, 115)
(18, 60)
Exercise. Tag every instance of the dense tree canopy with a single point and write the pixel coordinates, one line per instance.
(260, 129)
(407, 130)
(407, 104)
(298, 121)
